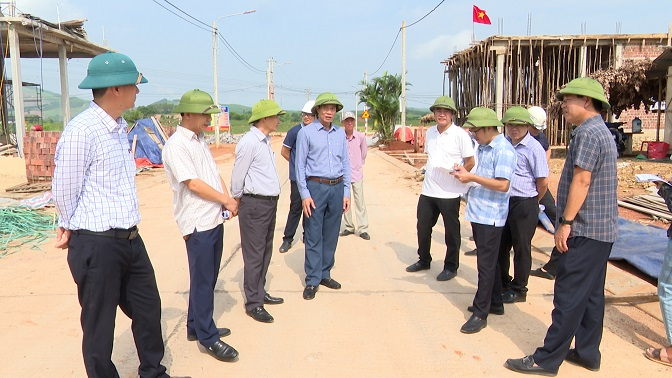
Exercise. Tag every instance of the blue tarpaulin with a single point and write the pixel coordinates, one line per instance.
(149, 139)
(642, 246)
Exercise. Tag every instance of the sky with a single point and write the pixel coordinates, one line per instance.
(318, 46)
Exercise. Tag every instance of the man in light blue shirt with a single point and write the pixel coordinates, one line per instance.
(487, 209)
(323, 176)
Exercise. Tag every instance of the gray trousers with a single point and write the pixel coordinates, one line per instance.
(257, 226)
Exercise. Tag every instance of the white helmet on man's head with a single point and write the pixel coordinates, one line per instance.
(308, 107)
(538, 116)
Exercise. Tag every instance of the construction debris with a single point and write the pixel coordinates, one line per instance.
(653, 205)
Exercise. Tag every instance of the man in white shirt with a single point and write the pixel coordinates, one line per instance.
(200, 196)
(446, 145)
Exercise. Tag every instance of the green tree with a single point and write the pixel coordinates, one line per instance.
(381, 95)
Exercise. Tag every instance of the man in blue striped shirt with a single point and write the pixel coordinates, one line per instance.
(528, 186)
(96, 198)
(487, 208)
(323, 176)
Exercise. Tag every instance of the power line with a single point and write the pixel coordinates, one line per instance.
(188, 15)
(399, 32)
(209, 29)
(237, 56)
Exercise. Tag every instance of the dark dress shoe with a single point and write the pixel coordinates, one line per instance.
(346, 233)
(511, 296)
(446, 275)
(574, 358)
(222, 351)
(365, 236)
(474, 324)
(309, 292)
(416, 267)
(330, 283)
(260, 314)
(272, 300)
(525, 365)
(222, 332)
(540, 272)
(286, 245)
(473, 252)
(495, 310)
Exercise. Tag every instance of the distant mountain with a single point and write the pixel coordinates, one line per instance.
(51, 104)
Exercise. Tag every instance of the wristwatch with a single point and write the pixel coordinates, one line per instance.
(566, 221)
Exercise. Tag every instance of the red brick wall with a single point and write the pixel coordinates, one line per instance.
(39, 148)
(650, 119)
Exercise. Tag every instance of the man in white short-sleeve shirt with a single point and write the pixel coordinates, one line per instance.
(446, 145)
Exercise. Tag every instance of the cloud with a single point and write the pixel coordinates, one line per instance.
(442, 46)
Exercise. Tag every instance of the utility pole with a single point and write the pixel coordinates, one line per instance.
(269, 79)
(308, 92)
(215, 117)
(403, 81)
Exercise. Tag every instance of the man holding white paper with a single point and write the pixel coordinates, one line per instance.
(446, 145)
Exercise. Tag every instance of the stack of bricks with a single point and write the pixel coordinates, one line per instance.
(39, 148)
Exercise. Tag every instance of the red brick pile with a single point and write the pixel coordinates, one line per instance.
(39, 148)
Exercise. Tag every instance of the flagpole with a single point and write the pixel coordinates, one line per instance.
(473, 33)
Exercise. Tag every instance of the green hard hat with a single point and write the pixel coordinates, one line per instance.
(481, 117)
(585, 86)
(263, 109)
(517, 115)
(111, 69)
(444, 102)
(196, 101)
(327, 98)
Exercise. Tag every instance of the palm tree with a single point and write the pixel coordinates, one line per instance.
(381, 95)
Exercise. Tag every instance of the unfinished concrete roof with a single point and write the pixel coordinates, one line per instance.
(36, 34)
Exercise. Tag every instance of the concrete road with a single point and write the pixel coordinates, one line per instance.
(383, 323)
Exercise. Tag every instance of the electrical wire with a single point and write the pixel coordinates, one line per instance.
(209, 29)
(187, 14)
(237, 56)
(399, 32)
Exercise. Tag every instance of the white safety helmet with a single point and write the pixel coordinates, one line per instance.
(308, 107)
(538, 116)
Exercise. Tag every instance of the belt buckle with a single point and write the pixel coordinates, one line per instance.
(333, 182)
(133, 234)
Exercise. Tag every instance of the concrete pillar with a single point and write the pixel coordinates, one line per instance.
(618, 56)
(583, 64)
(65, 89)
(17, 87)
(668, 108)
(499, 85)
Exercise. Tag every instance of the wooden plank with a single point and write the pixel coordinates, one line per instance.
(160, 129)
(644, 210)
(642, 298)
(135, 142)
(410, 160)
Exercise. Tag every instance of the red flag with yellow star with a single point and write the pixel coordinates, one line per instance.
(480, 17)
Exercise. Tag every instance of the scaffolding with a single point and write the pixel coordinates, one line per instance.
(504, 71)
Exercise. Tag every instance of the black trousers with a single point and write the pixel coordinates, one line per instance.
(578, 302)
(428, 212)
(257, 227)
(489, 292)
(204, 253)
(519, 229)
(549, 206)
(295, 212)
(113, 272)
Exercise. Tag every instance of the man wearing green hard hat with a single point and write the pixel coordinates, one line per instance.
(528, 187)
(200, 197)
(323, 175)
(487, 209)
(446, 145)
(586, 229)
(95, 195)
(256, 186)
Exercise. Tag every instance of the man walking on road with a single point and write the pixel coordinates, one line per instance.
(289, 153)
(584, 236)
(446, 145)
(528, 186)
(357, 149)
(487, 208)
(95, 195)
(256, 186)
(199, 197)
(323, 175)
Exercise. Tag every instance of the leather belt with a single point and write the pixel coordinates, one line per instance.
(326, 180)
(116, 233)
(259, 196)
